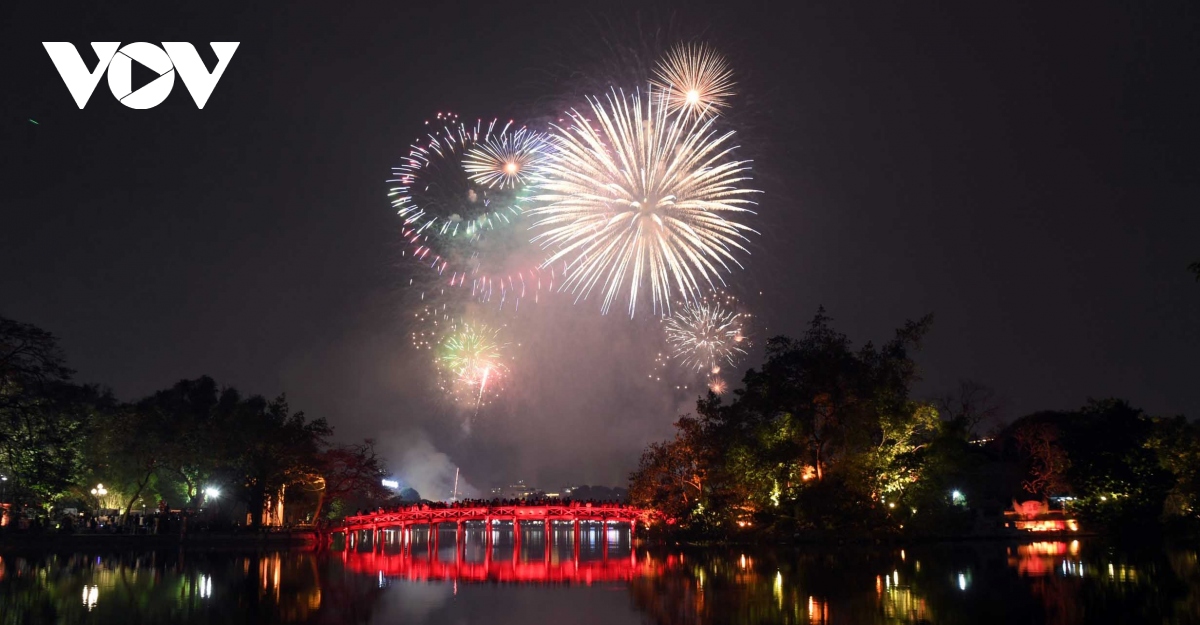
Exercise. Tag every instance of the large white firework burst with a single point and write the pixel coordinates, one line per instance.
(704, 335)
(694, 80)
(637, 198)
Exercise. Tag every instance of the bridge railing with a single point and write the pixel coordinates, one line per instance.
(423, 514)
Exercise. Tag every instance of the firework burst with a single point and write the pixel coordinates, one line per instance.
(459, 192)
(705, 335)
(472, 362)
(694, 80)
(717, 385)
(506, 159)
(638, 199)
(434, 193)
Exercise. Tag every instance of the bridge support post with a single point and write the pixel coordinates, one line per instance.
(460, 540)
(433, 537)
(632, 532)
(516, 536)
(429, 538)
(487, 536)
(604, 537)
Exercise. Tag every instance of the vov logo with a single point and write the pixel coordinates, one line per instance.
(164, 61)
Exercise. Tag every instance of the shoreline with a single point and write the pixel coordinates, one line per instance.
(305, 539)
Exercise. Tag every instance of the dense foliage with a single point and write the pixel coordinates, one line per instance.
(190, 446)
(825, 438)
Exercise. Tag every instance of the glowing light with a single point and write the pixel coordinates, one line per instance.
(637, 197)
(473, 361)
(694, 80)
(717, 386)
(446, 186)
(505, 159)
(390, 483)
(91, 594)
(212, 492)
(460, 193)
(704, 334)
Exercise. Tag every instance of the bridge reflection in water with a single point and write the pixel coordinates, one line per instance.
(596, 552)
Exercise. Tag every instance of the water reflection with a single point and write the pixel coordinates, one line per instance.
(433, 579)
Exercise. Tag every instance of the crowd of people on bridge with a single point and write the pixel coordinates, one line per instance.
(565, 502)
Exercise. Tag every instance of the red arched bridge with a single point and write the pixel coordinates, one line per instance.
(375, 527)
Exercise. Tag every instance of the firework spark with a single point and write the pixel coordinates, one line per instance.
(505, 159)
(428, 323)
(639, 196)
(472, 362)
(435, 195)
(695, 80)
(717, 385)
(704, 335)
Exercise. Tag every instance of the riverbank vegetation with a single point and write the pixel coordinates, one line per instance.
(70, 446)
(825, 438)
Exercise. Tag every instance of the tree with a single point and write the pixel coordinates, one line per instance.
(1117, 477)
(348, 470)
(43, 416)
(278, 449)
(126, 451)
(1177, 444)
(816, 410)
(671, 475)
(192, 419)
(968, 406)
(1195, 268)
(1048, 460)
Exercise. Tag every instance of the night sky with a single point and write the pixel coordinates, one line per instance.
(1027, 174)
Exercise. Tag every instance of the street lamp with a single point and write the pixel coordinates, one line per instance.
(99, 490)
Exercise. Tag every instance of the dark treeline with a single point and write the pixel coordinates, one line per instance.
(191, 446)
(825, 438)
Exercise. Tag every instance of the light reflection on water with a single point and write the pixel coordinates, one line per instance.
(1037, 582)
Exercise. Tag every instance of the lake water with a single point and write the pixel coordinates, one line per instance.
(1074, 581)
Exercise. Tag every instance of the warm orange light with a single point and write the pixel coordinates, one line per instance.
(693, 97)
(510, 168)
